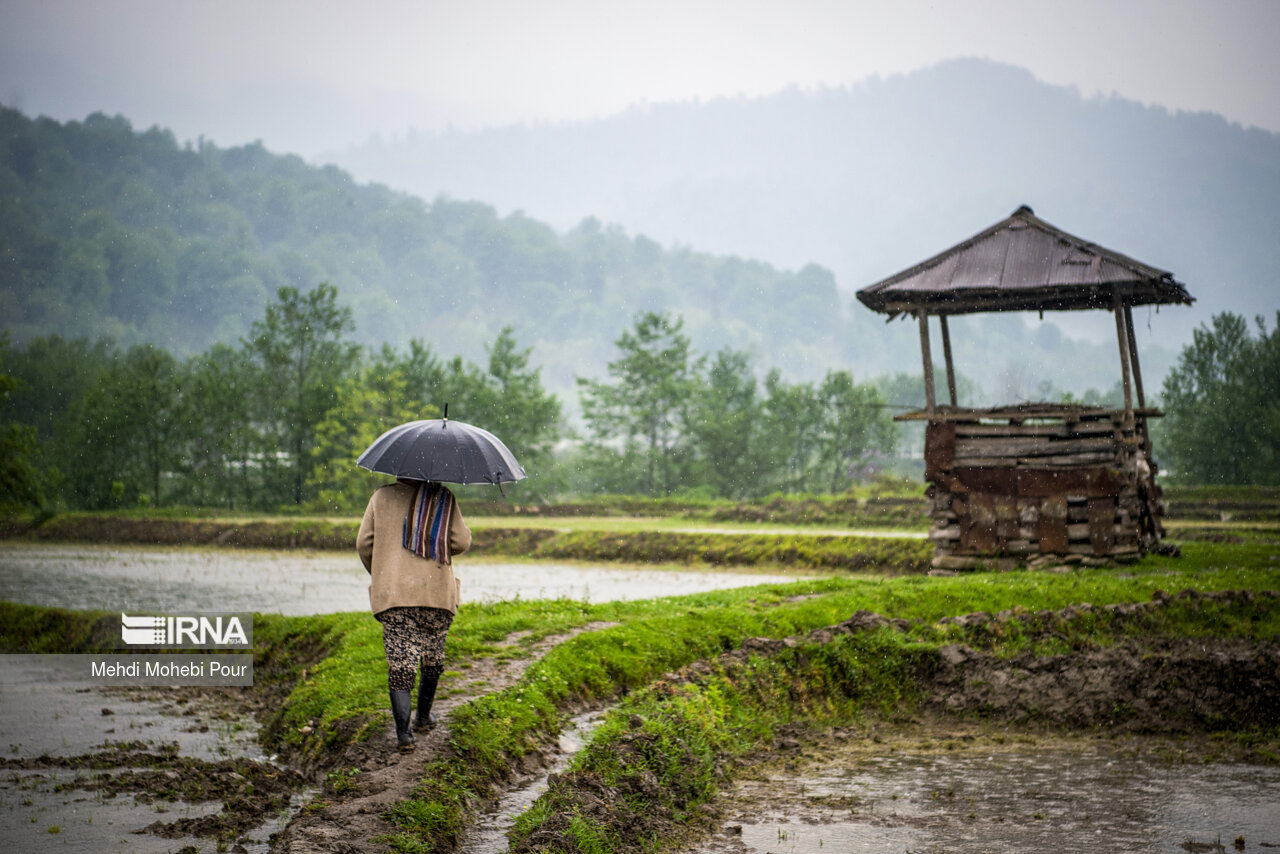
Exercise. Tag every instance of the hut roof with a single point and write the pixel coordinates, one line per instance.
(1023, 264)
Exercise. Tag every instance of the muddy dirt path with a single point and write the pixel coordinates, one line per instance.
(351, 822)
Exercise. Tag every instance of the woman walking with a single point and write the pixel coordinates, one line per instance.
(410, 532)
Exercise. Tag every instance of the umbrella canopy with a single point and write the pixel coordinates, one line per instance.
(442, 451)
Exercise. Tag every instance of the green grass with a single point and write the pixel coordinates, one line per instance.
(1222, 492)
(664, 750)
(686, 524)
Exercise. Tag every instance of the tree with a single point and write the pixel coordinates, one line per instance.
(19, 479)
(151, 391)
(855, 424)
(369, 403)
(301, 357)
(507, 399)
(1222, 405)
(654, 378)
(793, 426)
(520, 410)
(217, 433)
(53, 373)
(125, 431)
(724, 426)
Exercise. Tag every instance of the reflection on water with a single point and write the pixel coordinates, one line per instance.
(293, 582)
(47, 709)
(1014, 800)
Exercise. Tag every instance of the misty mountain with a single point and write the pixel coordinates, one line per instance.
(870, 179)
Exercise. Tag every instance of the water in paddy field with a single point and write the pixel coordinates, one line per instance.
(295, 583)
(45, 713)
(1024, 798)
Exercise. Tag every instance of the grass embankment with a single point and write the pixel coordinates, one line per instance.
(900, 505)
(807, 531)
(1225, 503)
(666, 750)
(636, 546)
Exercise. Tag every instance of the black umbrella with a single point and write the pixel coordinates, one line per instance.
(442, 451)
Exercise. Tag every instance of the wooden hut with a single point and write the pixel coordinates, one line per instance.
(1027, 479)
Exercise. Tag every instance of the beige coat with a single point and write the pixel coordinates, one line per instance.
(400, 578)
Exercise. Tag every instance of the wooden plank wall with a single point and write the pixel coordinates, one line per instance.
(1028, 487)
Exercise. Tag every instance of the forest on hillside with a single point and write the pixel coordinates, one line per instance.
(107, 232)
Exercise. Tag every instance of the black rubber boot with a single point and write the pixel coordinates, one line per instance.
(426, 719)
(401, 708)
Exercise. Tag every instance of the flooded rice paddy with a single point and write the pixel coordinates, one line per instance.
(46, 713)
(1025, 794)
(296, 583)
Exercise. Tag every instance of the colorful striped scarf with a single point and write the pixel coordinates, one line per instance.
(426, 525)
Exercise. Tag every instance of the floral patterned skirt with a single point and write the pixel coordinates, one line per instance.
(414, 639)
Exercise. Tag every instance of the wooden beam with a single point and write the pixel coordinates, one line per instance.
(1133, 357)
(1137, 376)
(929, 403)
(946, 354)
(1123, 340)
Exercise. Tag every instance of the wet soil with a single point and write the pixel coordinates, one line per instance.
(488, 834)
(249, 790)
(210, 786)
(945, 785)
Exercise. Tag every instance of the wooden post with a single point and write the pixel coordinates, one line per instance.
(946, 354)
(928, 362)
(1123, 339)
(1133, 357)
(1137, 376)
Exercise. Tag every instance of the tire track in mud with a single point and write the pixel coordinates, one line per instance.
(351, 823)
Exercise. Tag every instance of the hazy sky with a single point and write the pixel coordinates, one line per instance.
(314, 75)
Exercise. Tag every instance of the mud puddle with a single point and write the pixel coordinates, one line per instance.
(488, 835)
(47, 810)
(298, 583)
(46, 709)
(978, 793)
(111, 769)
